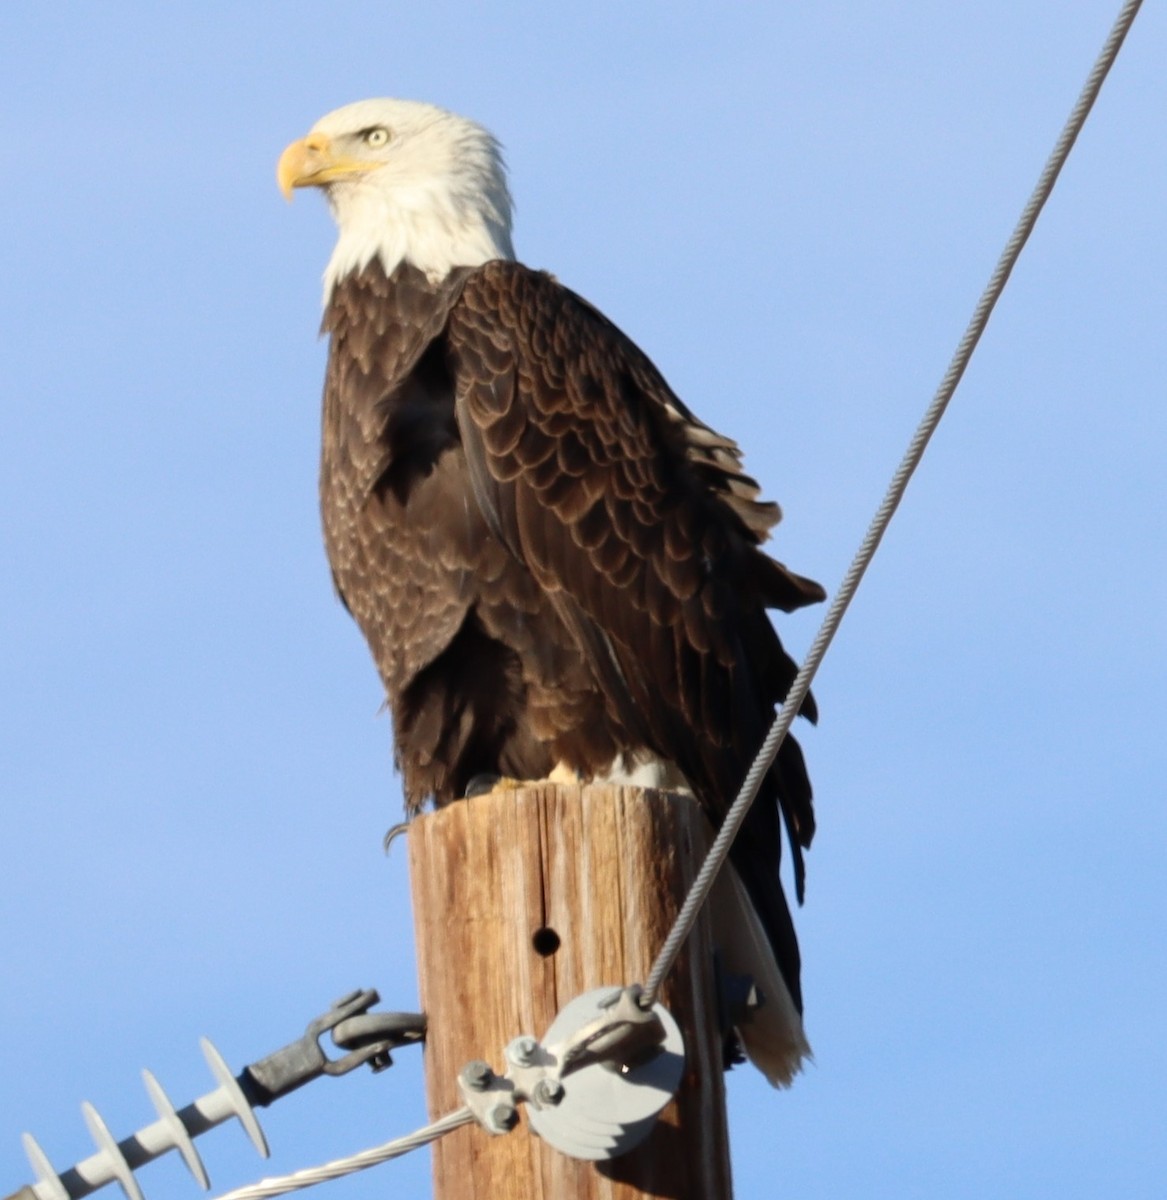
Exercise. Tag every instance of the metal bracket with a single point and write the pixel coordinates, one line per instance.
(493, 1099)
(596, 1083)
(368, 1038)
(621, 1036)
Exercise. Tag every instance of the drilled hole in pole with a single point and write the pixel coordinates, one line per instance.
(545, 941)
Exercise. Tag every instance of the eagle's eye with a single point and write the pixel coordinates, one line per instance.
(376, 137)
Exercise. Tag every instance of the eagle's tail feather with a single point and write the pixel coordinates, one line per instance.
(771, 1034)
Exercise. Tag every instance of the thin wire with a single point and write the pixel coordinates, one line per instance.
(718, 852)
(280, 1184)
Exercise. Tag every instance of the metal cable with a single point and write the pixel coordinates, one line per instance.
(718, 852)
(280, 1184)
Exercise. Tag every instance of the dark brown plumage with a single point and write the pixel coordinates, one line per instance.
(551, 558)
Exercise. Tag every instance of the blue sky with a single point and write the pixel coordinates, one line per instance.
(792, 209)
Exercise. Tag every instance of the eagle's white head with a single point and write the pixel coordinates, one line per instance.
(407, 182)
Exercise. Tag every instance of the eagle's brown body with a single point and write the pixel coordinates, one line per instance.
(551, 558)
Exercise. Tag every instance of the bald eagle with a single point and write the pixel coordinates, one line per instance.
(556, 565)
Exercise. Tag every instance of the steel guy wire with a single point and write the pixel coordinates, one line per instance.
(279, 1185)
(719, 851)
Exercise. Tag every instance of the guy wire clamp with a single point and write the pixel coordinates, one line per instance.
(366, 1036)
(596, 1083)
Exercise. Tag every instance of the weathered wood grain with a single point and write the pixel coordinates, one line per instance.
(607, 869)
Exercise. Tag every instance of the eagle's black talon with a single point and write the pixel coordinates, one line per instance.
(482, 785)
(392, 834)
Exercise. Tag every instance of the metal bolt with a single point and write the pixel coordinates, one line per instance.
(522, 1051)
(547, 1093)
(477, 1075)
(503, 1117)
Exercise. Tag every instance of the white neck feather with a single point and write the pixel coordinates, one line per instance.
(435, 224)
(429, 235)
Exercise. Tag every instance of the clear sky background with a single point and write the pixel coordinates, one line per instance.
(792, 208)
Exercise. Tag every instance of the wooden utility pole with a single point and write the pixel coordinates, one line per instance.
(522, 900)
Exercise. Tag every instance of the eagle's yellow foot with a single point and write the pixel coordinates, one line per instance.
(562, 773)
(486, 784)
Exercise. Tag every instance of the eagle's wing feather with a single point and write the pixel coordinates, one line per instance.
(640, 520)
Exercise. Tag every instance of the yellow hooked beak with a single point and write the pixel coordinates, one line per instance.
(312, 162)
